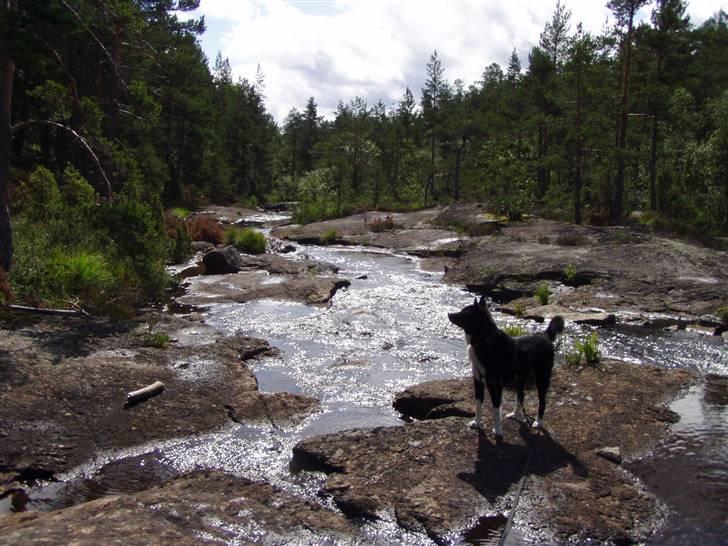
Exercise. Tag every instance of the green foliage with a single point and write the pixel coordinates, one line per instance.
(158, 340)
(514, 330)
(181, 244)
(328, 237)
(519, 309)
(318, 199)
(247, 240)
(543, 294)
(723, 314)
(180, 212)
(569, 273)
(39, 197)
(586, 350)
(82, 274)
(77, 192)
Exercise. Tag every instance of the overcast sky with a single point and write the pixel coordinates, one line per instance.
(339, 49)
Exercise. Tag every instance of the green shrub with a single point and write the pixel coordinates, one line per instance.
(247, 240)
(723, 314)
(39, 197)
(519, 309)
(77, 192)
(82, 274)
(328, 237)
(514, 330)
(569, 273)
(179, 212)
(586, 351)
(156, 339)
(542, 294)
(181, 245)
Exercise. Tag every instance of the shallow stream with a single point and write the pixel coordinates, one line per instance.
(387, 331)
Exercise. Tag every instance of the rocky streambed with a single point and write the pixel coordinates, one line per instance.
(295, 439)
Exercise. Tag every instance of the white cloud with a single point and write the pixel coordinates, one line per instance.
(374, 49)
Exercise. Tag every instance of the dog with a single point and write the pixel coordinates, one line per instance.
(498, 360)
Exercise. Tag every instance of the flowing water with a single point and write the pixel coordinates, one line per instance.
(387, 331)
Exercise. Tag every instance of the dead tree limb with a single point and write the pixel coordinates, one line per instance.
(78, 137)
(136, 397)
(46, 311)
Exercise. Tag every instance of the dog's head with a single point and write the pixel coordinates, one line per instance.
(473, 318)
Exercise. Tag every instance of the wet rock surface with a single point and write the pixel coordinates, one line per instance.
(199, 508)
(64, 383)
(612, 269)
(235, 277)
(439, 476)
(410, 232)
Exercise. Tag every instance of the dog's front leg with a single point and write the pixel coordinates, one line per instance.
(479, 388)
(495, 388)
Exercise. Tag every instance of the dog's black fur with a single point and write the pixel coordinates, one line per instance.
(499, 360)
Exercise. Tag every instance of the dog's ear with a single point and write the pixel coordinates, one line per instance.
(482, 303)
(475, 301)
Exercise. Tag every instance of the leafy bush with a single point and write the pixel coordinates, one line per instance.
(181, 245)
(247, 240)
(205, 228)
(158, 340)
(586, 351)
(514, 330)
(179, 212)
(519, 309)
(542, 294)
(77, 192)
(82, 274)
(328, 237)
(569, 273)
(39, 197)
(723, 314)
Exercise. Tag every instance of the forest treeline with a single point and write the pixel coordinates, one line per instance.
(110, 113)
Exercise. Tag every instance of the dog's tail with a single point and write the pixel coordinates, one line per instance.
(556, 326)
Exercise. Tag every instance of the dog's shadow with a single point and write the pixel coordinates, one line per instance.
(498, 465)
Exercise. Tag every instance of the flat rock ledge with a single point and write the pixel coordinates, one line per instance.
(63, 385)
(198, 508)
(439, 477)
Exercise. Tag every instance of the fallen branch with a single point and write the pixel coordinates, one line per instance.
(136, 397)
(46, 311)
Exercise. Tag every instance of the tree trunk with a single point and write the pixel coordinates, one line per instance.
(458, 171)
(617, 209)
(6, 103)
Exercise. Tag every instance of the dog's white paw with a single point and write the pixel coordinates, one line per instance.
(515, 415)
(538, 423)
(475, 424)
(497, 432)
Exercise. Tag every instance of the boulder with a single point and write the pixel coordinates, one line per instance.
(221, 261)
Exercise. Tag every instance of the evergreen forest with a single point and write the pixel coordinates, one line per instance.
(113, 123)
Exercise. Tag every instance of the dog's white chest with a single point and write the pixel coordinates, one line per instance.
(478, 368)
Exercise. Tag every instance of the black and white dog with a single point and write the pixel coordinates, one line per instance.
(498, 360)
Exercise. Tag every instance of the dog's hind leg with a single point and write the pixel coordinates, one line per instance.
(496, 395)
(518, 412)
(479, 388)
(542, 384)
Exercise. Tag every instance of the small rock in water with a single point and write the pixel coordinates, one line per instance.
(613, 454)
(362, 277)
